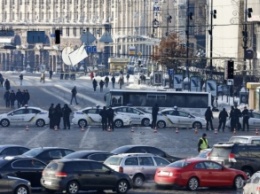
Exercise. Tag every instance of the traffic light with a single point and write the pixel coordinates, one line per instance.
(57, 36)
(230, 70)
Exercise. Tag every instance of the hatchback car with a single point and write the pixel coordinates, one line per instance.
(73, 175)
(176, 118)
(12, 150)
(139, 166)
(96, 155)
(195, 173)
(252, 184)
(90, 116)
(25, 115)
(14, 185)
(46, 154)
(144, 149)
(23, 167)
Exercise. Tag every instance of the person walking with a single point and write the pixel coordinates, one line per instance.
(94, 82)
(21, 79)
(155, 111)
(232, 117)
(19, 98)
(12, 98)
(203, 142)
(7, 85)
(101, 85)
(51, 116)
(26, 97)
(1, 80)
(74, 95)
(42, 79)
(113, 80)
(245, 114)
(103, 114)
(223, 115)
(50, 74)
(106, 81)
(57, 116)
(208, 118)
(238, 114)
(66, 111)
(127, 78)
(121, 82)
(7, 98)
(110, 118)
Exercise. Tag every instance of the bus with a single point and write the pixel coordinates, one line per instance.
(197, 102)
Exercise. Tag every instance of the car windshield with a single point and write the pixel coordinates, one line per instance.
(220, 152)
(179, 164)
(33, 152)
(114, 160)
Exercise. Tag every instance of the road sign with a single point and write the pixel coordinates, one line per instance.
(230, 82)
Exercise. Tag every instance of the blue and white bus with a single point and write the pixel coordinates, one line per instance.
(197, 102)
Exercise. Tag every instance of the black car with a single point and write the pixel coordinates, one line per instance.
(14, 185)
(12, 150)
(23, 167)
(144, 149)
(46, 154)
(73, 175)
(96, 155)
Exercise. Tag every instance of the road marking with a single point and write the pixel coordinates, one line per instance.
(35, 138)
(84, 138)
(59, 97)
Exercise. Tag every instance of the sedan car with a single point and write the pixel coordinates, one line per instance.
(90, 116)
(96, 155)
(252, 184)
(46, 154)
(195, 173)
(12, 150)
(137, 116)
(14, 185)
(25, 116)
(23, 167)
(171, 117)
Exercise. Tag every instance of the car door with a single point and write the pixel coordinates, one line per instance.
(5, 186)
(30, 114)
(94, 117)
(147, 167)
(185, 119)
(16, 117)
(169, 118)
(202, 172)
(254, 120)
(135, 115)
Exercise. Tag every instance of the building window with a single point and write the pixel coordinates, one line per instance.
(74, 32)
(67, 31)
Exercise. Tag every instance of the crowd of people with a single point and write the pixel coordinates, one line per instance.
(107, 118)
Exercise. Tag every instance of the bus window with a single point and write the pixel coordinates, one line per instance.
(117, 100)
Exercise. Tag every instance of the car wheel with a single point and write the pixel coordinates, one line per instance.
(122, 186)
(72, 187)
(248, 172)
(138, 180)
(118, 123)
(40, 123)
(161, 124)
(5, 123)
(239, 182)
(146, 122)
(21, 190)
(193, 184)
(82, 123)
(197, 125)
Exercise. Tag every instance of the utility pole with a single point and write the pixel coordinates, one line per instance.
(213, 14)
(187, 38)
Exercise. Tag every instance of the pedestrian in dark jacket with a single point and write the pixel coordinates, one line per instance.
(208, 118)
(57, 116)
(110, 118)
(74, 95)
(51, 116)
(113, 80)
(19, 98)
(238, 114)
(245, 114)
(12, 98)
(232, 117)
(104, 113)
(155, 111)
(94, 82)
(26, 97)
(106, 81)
(1, 80)
(7, 99)
(21, 79)
(7, 84)
(66, 111)
(223, 115)
(101, 85)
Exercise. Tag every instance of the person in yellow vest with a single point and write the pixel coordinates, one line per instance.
(203, 142)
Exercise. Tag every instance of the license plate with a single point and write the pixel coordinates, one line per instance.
(47, 182)
(163, 173)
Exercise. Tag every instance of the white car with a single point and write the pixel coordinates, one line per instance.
(90, 116)
(25, 115)
(137, 116)
(252, 184)
(177, 118)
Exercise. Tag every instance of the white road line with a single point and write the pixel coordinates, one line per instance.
(59, 97)
(83, 140)
(35, 138)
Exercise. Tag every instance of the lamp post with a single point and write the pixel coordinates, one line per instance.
(189, 17)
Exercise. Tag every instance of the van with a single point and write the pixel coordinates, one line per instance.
(245, 139)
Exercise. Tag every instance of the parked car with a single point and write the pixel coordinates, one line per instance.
(14, 185)
(245, 139)
(244, 157)
(195, 173)
(139, 166)
(96, 155)
(137, 116)
(12, 150)
(90, 116)
(204, 153)
(25, 115)
(144, 149)
(23, 167)
(46, 154)
(170, 117)
(252, 184)
(73, 175)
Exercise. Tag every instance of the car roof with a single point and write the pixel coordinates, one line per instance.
(127, 147)
(134, 154)
(51, 148)
(11, 145)
(62, 160)
(246, 136)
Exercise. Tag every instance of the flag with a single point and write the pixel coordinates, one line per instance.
(78, 55)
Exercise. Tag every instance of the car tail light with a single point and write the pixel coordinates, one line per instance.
(121, 169)
(231, 158)
(61, 174)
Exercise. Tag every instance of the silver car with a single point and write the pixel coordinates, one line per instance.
(139, 166)
(252, 184)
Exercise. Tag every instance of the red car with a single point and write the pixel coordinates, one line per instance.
(193, 173)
